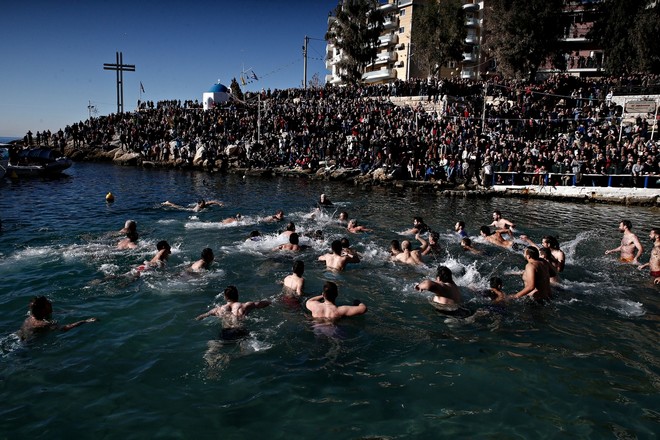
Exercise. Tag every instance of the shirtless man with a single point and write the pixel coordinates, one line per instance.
(550, 242)
(163, 251)
(354, 228)
(232, 307)
(629, 243)
(290, 229)
(431, 246)
(536, 277)
(199, 206)
(40, 319)
(346, 247)
(130, 231)
(336, 260)
(277, 217)
(446, 294)
(395, 248)
(235, 219)
(496, 237)
(408, 255)
(467, 246)
(295, 283)
(501, 223)
(324, 309)
(204, 263)
(654, 261)
(292, 245)
(343, 218)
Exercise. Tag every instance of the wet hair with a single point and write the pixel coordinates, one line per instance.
(394, 244)
(231, 293)
(498, 213)
(434, 235)
(345, 243)
(336, 247)
(290, 227)
(299, 267)
(485, 230)
(545, 253)
(466, 242)
(552, 241)
(343, 214)
(656, 230)
(163, 245)
(533, 252)
(330, 291)
(293, 238)
(627, 224)
(201, 202)
(207, 255)
(41, 308)
(255, 233)
(496, 283)
(461, 223)
(444, 274)
(130, 225)
(418, 220)
(132, 235)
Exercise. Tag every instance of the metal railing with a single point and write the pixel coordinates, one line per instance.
(573, 179)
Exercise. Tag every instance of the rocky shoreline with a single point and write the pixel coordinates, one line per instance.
(619, 196)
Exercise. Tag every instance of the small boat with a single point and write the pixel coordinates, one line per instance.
(37, 162)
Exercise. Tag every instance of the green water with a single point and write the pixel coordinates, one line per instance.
(586, 366)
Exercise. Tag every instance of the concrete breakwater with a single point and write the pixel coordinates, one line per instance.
(379, 177)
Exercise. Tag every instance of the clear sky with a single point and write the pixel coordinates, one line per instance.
(53, 53)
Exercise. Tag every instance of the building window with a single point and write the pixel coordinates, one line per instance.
(402, 30)
(451, 64)
(402, 12)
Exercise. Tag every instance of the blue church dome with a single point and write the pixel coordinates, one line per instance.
(218, 88)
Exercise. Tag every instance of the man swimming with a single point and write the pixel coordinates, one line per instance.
(629, 242)
(40, 319)
(199, 206)
(408, 255)
(459, 227)
(430, 247)
(336, 260)
(354, 228)
(295, 283)
(654, 261)
(536, 277)
(446, 294)
(496, 237)
(551, 243)
(419, 227)
(233, 307)
(204, 263)
(163, 251)
(324, 309)
(131, 236)
(292, 245)
(500, 222)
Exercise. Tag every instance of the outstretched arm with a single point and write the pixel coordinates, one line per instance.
(213, 311)
(358, 308)
(67, 327)
(214, 202)
(425, 244)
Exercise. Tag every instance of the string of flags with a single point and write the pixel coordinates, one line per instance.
(248, 77)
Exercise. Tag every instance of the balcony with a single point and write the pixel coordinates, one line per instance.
(379, 75)
(469, 57)
(471, 22)
(385, 57)
(471, 39)
(387, 7)
(403, 3)
(467, 73)
(386, 40)
(390, 24)
(470, 7)
(331, 79)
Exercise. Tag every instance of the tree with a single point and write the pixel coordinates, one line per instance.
(354, 30)
(438, 34)
(315, 82)
(236, 89)
(627, 32)
(523, 34)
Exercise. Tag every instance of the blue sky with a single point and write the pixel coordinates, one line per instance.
(53, 53)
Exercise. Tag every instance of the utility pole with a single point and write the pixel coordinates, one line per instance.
(304, 48)
(483, 113)
(120, 68)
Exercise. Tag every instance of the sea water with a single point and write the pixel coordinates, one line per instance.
(585, 366)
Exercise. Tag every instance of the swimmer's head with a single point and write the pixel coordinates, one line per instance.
(417, 221)
(279, 214)
(231, 293)
(405, 245)
(201, 203)
(207, 255)
(41, 308)
(330, 291)
(255, 234)
(299, 267)
(485, 230)
(294, 239)
(444, 274)
(345, 243)
(163, 245)
(395, 246)
(291, 227)
(496, 283)
(532, 252)
(459, 225)
(336, 246)
(497, 215)
(434, 237)
(550, 241)
(466, 242)
(130, 225)
(343, 215)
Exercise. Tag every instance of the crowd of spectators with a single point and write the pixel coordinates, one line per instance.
(561, 130)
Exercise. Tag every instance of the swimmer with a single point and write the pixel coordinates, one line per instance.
(204, 263)
(536, 277)
(495, 292)
(163, 251)
(354, 228)
(459, 227)
(551, 243)
(654, 261)
(290, 229)
(395, 248)
(324, 309)
(343, 218)
(419, 227)
(255, 236)
(40, 319)
(629, 243)
(233, 307)
(292, 245)
(324, 201)
(346, 247)
(467, 246)
(295, 283)
(199, 206)
(546, 255)
(129, 226)
(130, 242)
(277, 217)
(446, 294)
(335, 260)
(431, 246)
(496, 237)
(235, 219)
(408, 255)
(501, 223)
